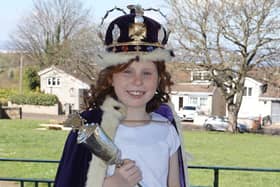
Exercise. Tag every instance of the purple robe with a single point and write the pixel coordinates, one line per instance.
(74, 164)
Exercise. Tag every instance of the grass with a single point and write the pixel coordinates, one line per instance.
(237, 150)
(20, 139)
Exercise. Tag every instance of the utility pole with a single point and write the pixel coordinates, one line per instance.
(20, 72)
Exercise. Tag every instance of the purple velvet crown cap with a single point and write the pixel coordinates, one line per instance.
(135, 32)
(135, 36)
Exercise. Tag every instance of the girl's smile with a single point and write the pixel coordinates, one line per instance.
(136, 85)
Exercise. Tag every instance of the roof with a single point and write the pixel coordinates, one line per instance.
(76, 74)
(193, 88)
(271, 92)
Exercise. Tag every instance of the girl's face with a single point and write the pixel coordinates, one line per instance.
(136, 85)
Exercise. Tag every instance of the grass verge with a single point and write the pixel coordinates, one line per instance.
(21, 139)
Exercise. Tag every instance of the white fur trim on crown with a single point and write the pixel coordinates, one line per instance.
(109, 58)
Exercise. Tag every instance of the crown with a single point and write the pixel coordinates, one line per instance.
(135, 35)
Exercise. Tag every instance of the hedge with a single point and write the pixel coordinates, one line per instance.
(34, 99)
(5, 94)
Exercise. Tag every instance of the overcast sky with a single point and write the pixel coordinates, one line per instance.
(11, 11)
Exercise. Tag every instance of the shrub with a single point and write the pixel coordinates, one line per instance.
(4, 95)
(32, 78)
(34, 99)
(3, 102)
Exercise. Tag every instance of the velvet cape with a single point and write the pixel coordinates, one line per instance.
(74, 163)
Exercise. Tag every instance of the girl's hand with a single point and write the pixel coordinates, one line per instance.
(128, 175)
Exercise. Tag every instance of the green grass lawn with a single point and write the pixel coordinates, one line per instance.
(20, 139)
(237, 150)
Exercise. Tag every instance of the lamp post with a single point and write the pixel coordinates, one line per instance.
(20, 72)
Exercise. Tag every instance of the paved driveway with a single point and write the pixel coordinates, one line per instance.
(58, 118)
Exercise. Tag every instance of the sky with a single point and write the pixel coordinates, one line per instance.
(11, 12)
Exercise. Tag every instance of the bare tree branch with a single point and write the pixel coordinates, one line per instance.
(54, 32)
(229, 38)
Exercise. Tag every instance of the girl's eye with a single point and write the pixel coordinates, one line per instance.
(127, 71)
(147, 73)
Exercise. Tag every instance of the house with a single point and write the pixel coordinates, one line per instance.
(68, 88)
(198, 91)
(260, 100)
(208, 99)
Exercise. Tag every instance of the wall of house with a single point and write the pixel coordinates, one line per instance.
(265, 107)
(175, 101)
(205, 108)
(67, 91)
(251, 106)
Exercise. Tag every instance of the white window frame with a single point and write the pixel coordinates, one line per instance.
(248, 91)
(53, 81)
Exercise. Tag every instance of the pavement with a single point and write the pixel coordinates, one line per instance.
(57, 119)
(51, 118)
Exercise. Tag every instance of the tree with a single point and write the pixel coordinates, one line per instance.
(32, 78)
(53, 33)
(228, 38)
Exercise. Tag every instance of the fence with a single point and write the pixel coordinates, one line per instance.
(49, 182)
(23, 181)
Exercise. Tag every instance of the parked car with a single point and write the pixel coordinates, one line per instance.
(221, 123)
(187, 113)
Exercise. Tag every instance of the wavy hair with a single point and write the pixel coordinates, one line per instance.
(104, 86)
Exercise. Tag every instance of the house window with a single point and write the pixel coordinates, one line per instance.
(203, 101)
(247, 91)
(193, 101)
(53, 81)
(200, 76)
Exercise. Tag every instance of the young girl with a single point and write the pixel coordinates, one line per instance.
(133, 74)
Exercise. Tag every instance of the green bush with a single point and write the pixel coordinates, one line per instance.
(34, 99)
(4, 95)
(3, 101)
(32, 78)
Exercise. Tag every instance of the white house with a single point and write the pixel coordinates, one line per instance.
(65, 86)
(260, 100)
(198, 92)
(251, 105)
(206, 98)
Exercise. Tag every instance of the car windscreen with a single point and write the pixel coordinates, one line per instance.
(189, 108)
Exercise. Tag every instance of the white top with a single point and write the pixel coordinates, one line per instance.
(150, 146)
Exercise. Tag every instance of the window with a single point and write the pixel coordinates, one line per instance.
(193, 100)
(53, 81)
(203, 101)
(247, 91)
(200, 76)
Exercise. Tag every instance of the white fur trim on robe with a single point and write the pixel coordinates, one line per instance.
(186, 156)
(110, 121)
